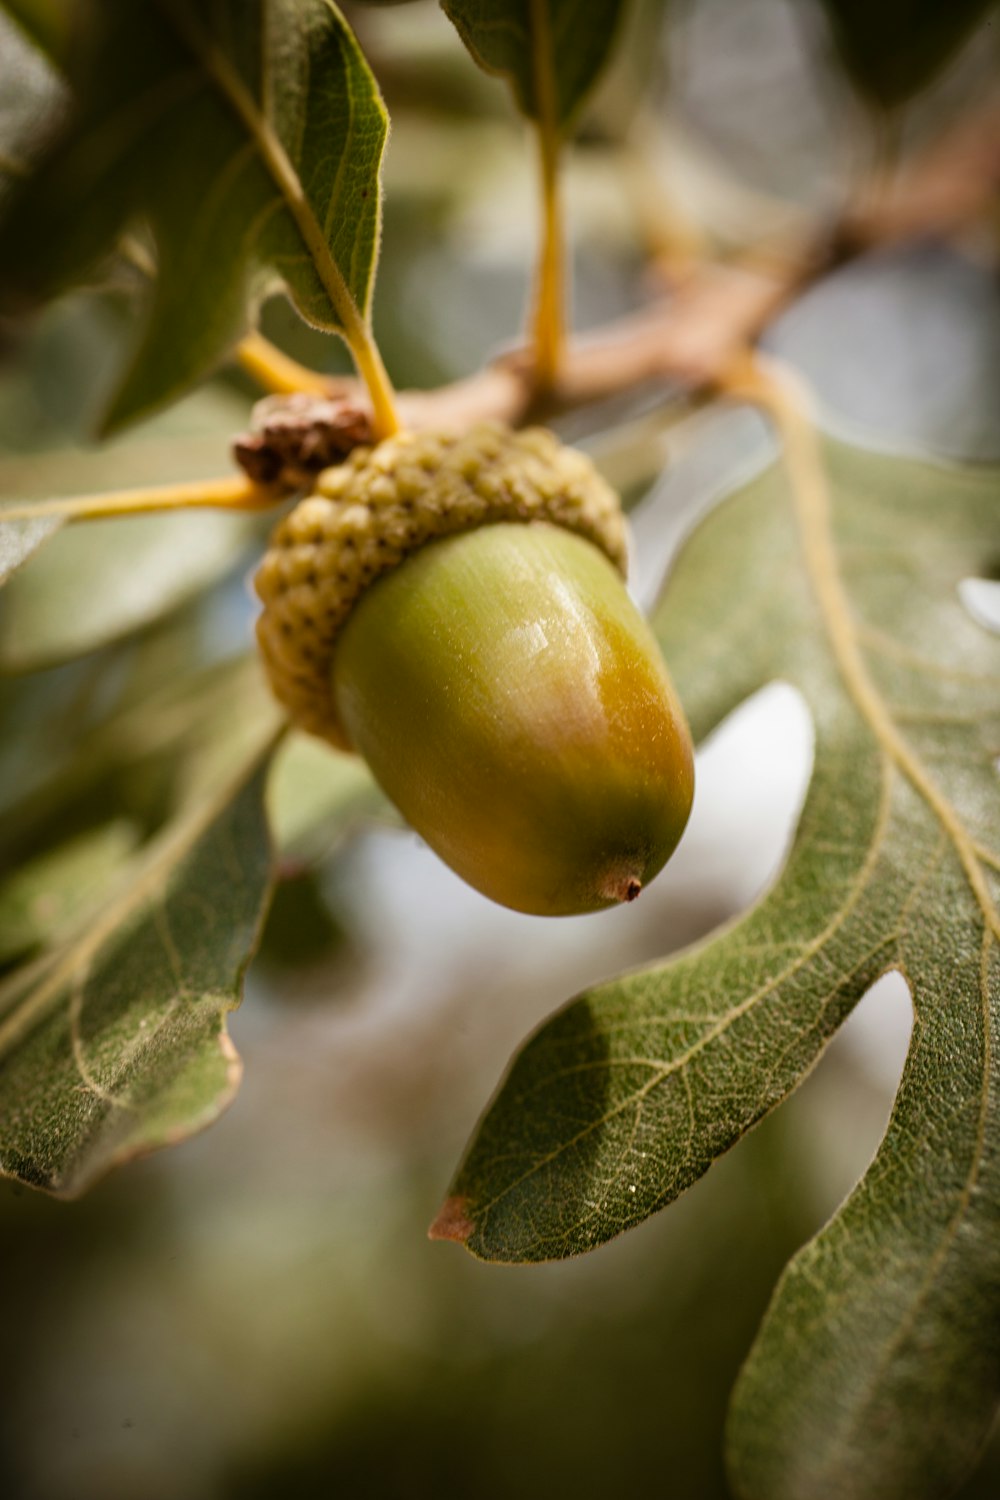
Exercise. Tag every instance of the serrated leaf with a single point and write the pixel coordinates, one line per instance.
(249, 136)
(117, 1043)
(545, 49)
(892, 50)
(876, 1372)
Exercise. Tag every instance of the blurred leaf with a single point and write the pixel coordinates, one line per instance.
(48, 896)
(30, 93)
(301, 927)
(49, 23)
(118, 737)
(19, 540)
(904, 346)
(540, 44)
(892, 50)
(101, 579)
(250, 138)
(876, 1371)
(117, 1043)
(55, 378)
(98, 581)
(315, 795)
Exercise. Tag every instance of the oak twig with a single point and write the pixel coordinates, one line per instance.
(716, 311)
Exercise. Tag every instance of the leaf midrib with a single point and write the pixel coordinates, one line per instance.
(779, 395)
(873, 1384)
(278, 164)
(774, 389)
(664, 1070)
(167, 852)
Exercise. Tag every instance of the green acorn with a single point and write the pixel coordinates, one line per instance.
(453, 609)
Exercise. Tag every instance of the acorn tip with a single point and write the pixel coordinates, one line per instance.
(620, 885)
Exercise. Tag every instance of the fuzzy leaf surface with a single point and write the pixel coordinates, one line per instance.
(522, 40)
(877, 1371)
(115, 1042)
(248, 136)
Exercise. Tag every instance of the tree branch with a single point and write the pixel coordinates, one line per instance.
(716, 312)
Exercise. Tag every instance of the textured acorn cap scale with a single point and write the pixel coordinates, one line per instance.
(382, 504)
(453, 608)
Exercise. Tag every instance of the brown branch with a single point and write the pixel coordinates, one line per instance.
(939, 194)
(690, 337)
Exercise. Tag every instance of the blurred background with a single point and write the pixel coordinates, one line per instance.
(258, 1311)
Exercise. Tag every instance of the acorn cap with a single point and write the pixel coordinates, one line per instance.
(382, 504)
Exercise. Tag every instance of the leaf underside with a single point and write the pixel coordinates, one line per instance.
(115, 1042)
(248, 136)
(877, 1370)
(514, 38)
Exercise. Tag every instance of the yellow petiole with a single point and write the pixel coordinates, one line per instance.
(235, 492)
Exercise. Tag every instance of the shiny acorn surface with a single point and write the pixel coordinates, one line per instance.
(513, 703)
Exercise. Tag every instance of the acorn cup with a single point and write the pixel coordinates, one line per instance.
(453, 609)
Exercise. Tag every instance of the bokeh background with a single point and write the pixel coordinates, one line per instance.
(258, 1311)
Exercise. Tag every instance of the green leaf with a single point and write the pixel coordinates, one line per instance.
(119, 735)
(876, 1371)
(100, 580)
(249, 136)
(29, 94)
(316, 795)
(49, 23)
(49, 895)
(892, 50)
(19, 540)
(543, 48)
(117, 1043)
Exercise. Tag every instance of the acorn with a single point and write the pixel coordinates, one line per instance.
(452, 607)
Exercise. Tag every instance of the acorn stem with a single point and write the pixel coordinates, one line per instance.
(621, 885)
(549, 325)
(365, 352)
(352, 321)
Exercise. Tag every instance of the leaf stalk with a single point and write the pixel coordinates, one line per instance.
(548, 333)
(234, 492)
(354, 324)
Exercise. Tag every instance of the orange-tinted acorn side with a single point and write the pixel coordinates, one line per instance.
(513, 703)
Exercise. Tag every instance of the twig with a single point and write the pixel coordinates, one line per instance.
(548, 322)
(717, 311)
